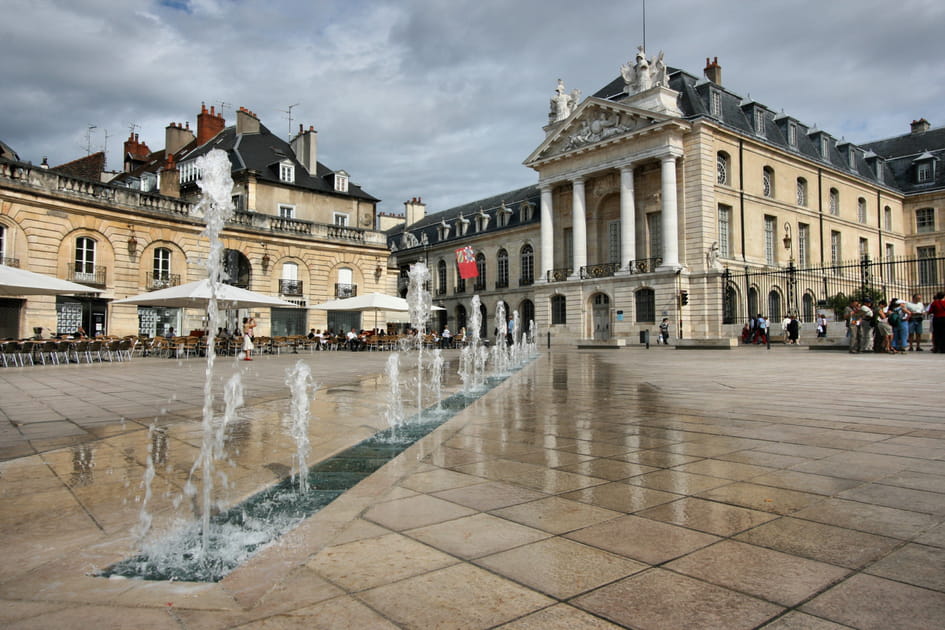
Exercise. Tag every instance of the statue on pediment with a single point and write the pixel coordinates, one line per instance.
(644, 74)
(596, 129)
(562, 103)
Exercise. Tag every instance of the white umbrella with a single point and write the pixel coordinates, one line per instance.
(368, 302)
(14, 281)
(197, 295)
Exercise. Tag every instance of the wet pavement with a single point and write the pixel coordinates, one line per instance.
(659, 489)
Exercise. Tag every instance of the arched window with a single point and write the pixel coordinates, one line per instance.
(861, 210)
(722, 167)
(460, 317)
(801, 191)
(774, 306)
(85, 260)
(289, 283)
(345, 286)
(887, 219)
(236, 268)
(752, 301)
(161, 269)
(767, 181)
(527, 312)
(527, 258)
(645, 301)
(808, 307)
(502, 270)
(558, 310)
(834, 202)
(480, 284)
(441, 278)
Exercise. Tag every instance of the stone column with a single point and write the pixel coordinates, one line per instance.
(578, 227)
(547, 234)
(628, 245)
(670, 216)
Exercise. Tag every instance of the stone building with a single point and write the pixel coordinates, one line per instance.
(658, 188)
(301, 231)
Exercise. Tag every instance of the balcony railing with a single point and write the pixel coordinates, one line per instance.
(10, 262)
(163, 281)
(559, 275)
(93, 276)
(602, 270)
(345, 290)
(644, 265)
(290, 287)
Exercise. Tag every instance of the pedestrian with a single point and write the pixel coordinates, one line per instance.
(898, 318)
(793, 329)
(937, 312)
(916, 310)
(248, 325)
(664, 332)
(884, 332)
(821, 325)
(761, 334)
(785, 333)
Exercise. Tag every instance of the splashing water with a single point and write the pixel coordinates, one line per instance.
(420, 305)
(395, 403)
(302, 388)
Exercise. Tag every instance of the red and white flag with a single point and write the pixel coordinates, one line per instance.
(466, 261)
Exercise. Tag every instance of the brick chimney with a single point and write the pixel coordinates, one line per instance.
(170, 178)
(713, 71)
(134, 152)
(920, 126)
(414, 210)
(209, 124)
(176, 137)
(305, 146)
(246, 122)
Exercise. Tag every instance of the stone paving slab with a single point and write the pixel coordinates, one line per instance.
(594, 489)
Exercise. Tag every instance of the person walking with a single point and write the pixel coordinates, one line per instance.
(821, 325)
(793, 330)
(664, 332)
(937, 313)
(248, 325)
(898, 318)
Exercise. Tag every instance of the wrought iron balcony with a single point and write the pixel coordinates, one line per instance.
(603, 270)
(290, 287)
(92, 275)
(163, 280)
(559, 275)
(345, 290)
(645, 265)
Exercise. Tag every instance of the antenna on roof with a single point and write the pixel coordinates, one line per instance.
(223, 104)
(644, 27)
(88, 138)
(288, 113)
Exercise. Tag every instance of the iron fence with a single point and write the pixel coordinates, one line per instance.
(806, 291)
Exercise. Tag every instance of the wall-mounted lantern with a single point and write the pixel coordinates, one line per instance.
(132, 243)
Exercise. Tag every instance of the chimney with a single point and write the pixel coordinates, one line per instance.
(209, 124)
(414, 210)
(134, 152)
(176, 137)
(246, 122)
(170, 178)
(920, 126)
(305, 146)
(713, 71)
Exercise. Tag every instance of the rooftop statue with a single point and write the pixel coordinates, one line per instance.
(644, 74)
(562, 103)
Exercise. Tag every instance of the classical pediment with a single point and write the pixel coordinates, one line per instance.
(595, 122)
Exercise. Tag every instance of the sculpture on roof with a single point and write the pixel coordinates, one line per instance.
(562, 103)
(643, 74)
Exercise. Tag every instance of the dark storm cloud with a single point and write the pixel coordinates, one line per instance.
(441, 99)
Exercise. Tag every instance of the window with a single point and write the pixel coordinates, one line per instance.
(345, 287)
(715, 103)
(928, 274)
(771, 251)
(290, 271)
(341, 182)
(767, 181)
(3, 251)
(502, 269)
(188, 171)
(463, 224)
(613, 241)
(851, 156)
(527, 257)
(925, 220)
(774, 306)
(861, 210)
(286, 211)
(803, 243)
(722, 165)
(792, 134)
(824, 147)
(923, 172)
(834, 202)
(340, 218)
(835, 251)
(558, 310)
(890, 265)
(503, 215)
(443, 230)
(654, 222)
(808, 306)
(84, 259)
(161, 269)
(725, 231)
(441, 277)
(480, 284)
(287, 172)
(801, 191)
(239, 202)
(526, 211)
(864, 248)
(289, 283)
(482, 221)
(760, 121)
(645, 302)
(887, 219)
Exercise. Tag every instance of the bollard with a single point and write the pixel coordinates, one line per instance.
(549, 339)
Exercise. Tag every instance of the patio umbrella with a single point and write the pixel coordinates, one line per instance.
(368, 302)
(197, 295)
(14, 281)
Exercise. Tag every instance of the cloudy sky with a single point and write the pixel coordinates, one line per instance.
(441, 99)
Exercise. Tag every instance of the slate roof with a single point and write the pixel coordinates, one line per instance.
(89, 167)
(430, 225)
(261, 152)
(906, 151)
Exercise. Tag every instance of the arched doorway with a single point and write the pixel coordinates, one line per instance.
(601, 317)
(527, 314)
(236, 268)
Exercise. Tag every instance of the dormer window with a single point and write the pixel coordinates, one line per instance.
(792, 134)
(188, 171)
(463, 224)
(759, 121)
(924, 171)
(526, 211)
(824, 147)
(287, 172)
(341, 182)
(482, 221)
(851, 156)
(715, 103)
(443, 230)
(504, 215)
